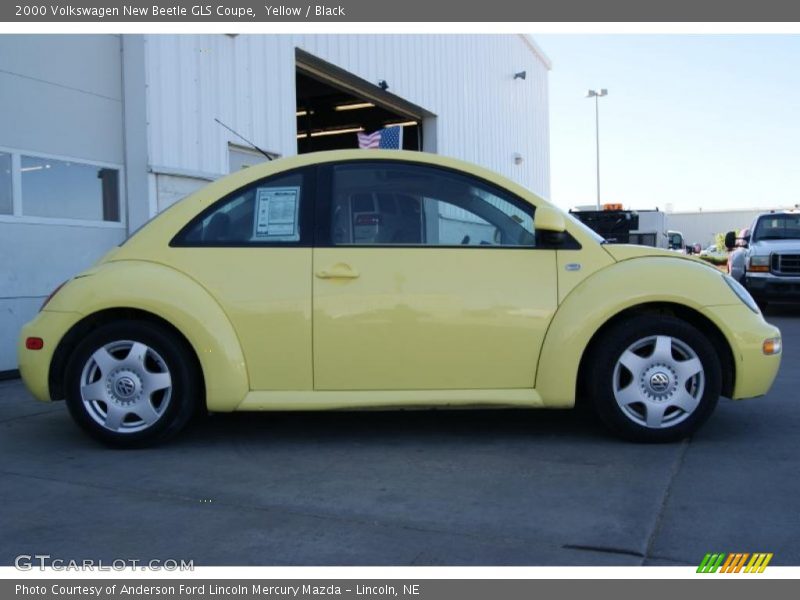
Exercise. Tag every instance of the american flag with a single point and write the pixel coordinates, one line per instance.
(389, 138)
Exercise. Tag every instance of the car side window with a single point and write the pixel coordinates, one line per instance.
(381, 203)
(266, 212)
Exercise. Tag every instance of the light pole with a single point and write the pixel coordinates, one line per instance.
(597, 95)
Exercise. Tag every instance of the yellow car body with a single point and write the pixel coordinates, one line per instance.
(276, 328)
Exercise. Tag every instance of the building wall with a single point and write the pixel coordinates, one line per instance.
(60, 96)
(483, 114)
(146, 106)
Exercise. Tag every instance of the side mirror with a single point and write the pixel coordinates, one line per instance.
(730, 240)
(549, 219)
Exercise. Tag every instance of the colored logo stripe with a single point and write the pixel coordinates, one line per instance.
(733, 562)
(710, 563)
(758, 563)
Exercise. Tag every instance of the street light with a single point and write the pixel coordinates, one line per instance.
(596, 95)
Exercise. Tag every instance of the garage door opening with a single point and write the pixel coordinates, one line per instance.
(334, 107)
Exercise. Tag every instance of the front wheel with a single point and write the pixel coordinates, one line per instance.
(654, 378)
(132, 383)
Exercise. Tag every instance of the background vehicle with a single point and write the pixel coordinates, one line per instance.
(355, 279)
(643, 227)
(768, 264)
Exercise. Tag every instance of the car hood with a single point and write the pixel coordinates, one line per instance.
(627, 251)
(767, 246)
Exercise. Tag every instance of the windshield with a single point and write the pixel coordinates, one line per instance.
(777, 227)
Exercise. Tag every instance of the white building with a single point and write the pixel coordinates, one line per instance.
(99, 133)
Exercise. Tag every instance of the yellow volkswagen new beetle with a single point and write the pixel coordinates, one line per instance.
(356, 279)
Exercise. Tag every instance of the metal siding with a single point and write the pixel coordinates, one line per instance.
(61, 95)
(34, 259)
(482, 114)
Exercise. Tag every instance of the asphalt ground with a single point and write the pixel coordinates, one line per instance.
(506, 487)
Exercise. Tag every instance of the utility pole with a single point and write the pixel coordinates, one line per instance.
(597, 95)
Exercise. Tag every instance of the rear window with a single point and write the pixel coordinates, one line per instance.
(268, 212)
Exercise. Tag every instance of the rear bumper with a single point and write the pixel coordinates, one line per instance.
(746, 332)
(34, 365)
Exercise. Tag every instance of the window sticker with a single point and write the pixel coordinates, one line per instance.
(276, 215)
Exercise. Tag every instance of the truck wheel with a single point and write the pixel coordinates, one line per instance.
(132, 383)
(654, 378)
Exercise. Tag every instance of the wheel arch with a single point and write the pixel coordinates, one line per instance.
(657, 283)
(86, 325)
(159, 294)
(674, 309)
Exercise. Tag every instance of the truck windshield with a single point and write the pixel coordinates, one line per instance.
(777, 227)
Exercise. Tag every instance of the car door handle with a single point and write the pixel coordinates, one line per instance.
(339, 271)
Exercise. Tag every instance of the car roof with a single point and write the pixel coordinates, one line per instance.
(278, 165)
(162, 228)
(186, 208)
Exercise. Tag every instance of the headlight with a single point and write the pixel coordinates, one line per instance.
(758, 264)
(743, 294)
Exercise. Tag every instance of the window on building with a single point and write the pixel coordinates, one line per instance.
(38, 186)
(402, 204)
(6, 197)
(67, 189)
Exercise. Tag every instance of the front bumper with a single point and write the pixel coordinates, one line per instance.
(34, 365)
(766, 285)
(746, 333)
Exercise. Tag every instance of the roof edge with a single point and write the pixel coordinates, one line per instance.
(527, 38)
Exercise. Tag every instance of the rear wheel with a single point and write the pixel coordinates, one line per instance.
(654, 378)
(132, 383)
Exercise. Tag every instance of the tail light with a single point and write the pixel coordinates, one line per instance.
(34, 343)
(50, 297)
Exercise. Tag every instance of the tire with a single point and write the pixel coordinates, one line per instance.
(132, 384)
(654, 378)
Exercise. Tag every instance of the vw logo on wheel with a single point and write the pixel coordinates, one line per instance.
(125, 387)
(659, 382)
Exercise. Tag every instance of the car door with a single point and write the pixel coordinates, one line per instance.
(252, 251)
(426, 279)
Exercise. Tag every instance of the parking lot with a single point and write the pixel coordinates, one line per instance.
(408, 488)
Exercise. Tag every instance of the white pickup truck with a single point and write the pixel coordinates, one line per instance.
(767, 262)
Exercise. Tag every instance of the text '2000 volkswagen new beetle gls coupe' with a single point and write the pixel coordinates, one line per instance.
(353, 279)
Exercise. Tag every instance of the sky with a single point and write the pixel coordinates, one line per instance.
(690, 122)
